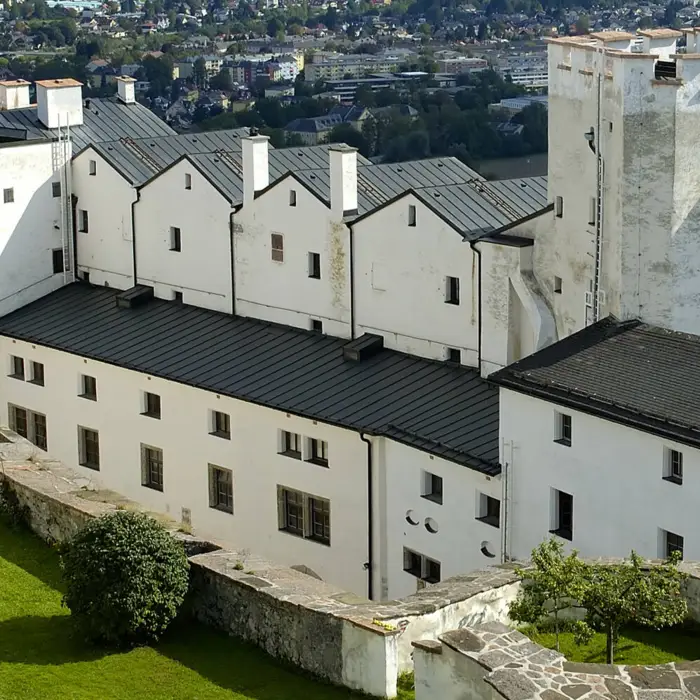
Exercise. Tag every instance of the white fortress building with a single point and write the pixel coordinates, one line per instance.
(384, 375)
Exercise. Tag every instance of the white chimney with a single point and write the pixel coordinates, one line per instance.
(125, 89)
(59, 102)
(14, 94)
(256, 175)
(343, 164)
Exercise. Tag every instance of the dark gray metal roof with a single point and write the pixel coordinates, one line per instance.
(627, 372)
(104, 119)
(447, 411)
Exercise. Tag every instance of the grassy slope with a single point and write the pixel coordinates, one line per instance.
(41, 657)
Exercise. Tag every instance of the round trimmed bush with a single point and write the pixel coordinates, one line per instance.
(126, 578)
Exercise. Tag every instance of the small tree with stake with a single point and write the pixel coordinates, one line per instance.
(548, 587)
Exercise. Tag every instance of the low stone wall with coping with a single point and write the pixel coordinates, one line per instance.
(309, 623)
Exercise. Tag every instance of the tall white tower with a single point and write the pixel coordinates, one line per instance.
(624, 176)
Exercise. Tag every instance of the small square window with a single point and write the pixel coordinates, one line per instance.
(8, 195)
(89, 448)
(315, 266)
(412, 563)
(489, 510)
(221, 425)
(37, 371)
(151, 405)
(83, 223)
(291, 445)
(452, 290)
(57, 260)
(292, 198)
(220, 489)
(86, 276)
(277, 247)
(432, 487)
(316, 325)
(559, 207)
(17, 367)
(152, 467)
(591, 211)
(175, 239)
(317, 452)
(93, 167)
(431, 571)
(563, 512)
(671, 543)
(557, 285)
(188, 181)
(55, 189)
(411, 215)
(454, 355)
(562, 429)
(88, 387)
(673, 466)
(177, 296)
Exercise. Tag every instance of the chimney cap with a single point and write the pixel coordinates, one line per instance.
(14, 83)
(342, 148)
(256, 138)
(126, 79)
(59, 83)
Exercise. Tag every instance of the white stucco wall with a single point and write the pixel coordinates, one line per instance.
(283, 291)
(614, 473)
(188, 449)
(369, 660)
(457, 543)
(400, 278)
(202, 269)
(29, 226)
(106, 250)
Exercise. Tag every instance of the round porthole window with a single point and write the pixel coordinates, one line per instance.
(487, 550)
(431, 525)
(411, 518)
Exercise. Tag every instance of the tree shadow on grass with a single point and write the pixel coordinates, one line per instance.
(682, 640)
(24, 549)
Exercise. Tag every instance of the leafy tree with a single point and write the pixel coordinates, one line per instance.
(199, 72)
(222, 81)
(548, 586)
(583, 24)
(347, 133)
(126, 578)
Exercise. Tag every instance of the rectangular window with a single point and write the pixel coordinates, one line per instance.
(88, 387)
(82, 221)
(673, 466)
(18, 421)
(57, 260)
(55, 189)
(317, 452)
(315, 266)
(316, 325)
(559, 207)
(37, 373)
(220, 488)
(38, 430)
(8, 195)
(672, 543)
(591, 211)
(489, 510)
(89, 448)
(291, 445)
(454, 355)
(151, 405)
(188, 181)
(420, 566)
(557, 285)
(17, 367)
(562, 429)
(292, 198)
(221, 425)
(175, 239)
(277, 246)
(563, 507)
(304, 515)
(432, 487)
(411, 215)
(152, 467)
(93, 167)
(452, 290)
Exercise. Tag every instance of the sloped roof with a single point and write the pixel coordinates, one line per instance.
(442, 409)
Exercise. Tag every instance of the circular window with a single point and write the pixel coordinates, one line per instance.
(431, 525)
(487, 550)
(411, 518)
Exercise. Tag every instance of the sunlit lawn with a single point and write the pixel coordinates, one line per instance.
(41, 656)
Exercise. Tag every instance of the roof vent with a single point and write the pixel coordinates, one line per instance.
(134, 297)
(363, 348)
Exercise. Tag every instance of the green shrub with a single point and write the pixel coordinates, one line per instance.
(126, 578)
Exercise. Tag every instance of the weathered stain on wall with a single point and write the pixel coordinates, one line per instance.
(337, 264)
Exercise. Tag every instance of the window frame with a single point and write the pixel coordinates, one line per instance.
(8, 195)
(152, 457)
(277, 247)
(317, 452)
(673, 466)
(304, 515)
(454, 356)
(292, 198)
(175, 239)
(56, 190)
(216, 481)
(17, 368)
(57, 257)
(563, 428)
(37, 378)
(85, 393)
(412, 215)
(421, 566)
(452, 291)
(317, 325)
(220, 429)
(88, 448)
(152, 409)
(670, 546)
(560, 528)
(290, 444)
(92, 168)
(188, 181)
(21, 427)
(486, 512)
(559, 206)
(433, 488)
(83, 221)
(314, 266)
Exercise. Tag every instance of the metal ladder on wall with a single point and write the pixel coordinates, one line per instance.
(61, 159)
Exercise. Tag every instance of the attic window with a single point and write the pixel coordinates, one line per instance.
(411, 215)
(93, 167)
(188, 181)
(292, 198)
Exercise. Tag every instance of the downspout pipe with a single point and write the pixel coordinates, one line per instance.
(232, 242)
(352, 282)
(133, 233)
(472, 245)
(370, 518)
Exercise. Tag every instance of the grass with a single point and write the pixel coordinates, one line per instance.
(42, 658)
(636, 646)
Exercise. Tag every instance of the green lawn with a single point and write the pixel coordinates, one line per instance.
(41, 657)
(637, 646)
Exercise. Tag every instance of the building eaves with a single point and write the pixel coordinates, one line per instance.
(447, 411)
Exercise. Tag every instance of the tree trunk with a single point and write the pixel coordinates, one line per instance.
(610, 651)
(556, 627)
